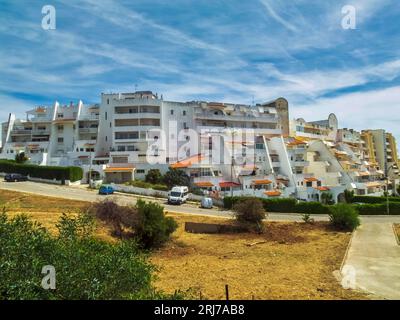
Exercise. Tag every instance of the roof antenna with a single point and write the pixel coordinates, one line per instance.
(252, 101)
(135, 87)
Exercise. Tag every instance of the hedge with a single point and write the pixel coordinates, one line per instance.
(43, 172)
(311, 208)
(374, 200)
(378, 209)
(284, 205)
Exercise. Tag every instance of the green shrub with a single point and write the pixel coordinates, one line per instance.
(176, 177)
(147, 185)
(311, 208)
(44, 172)
(250, 211)
(344, 216)
(21, 157)
(349, 196)
(154, 176)
(152, 227)
(86, 267)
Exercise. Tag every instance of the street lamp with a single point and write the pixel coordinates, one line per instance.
(387, 187)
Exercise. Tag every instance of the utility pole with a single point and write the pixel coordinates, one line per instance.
(232, 133)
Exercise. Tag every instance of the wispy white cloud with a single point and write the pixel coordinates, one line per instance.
(284, 22)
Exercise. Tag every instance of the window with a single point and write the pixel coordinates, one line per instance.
(172, 112)
(60, 127)
(140, 171)
(130, 148)
(60, 140)
(185, 126)
(127, 135)
(105, 115)
(108, 101)
(60, 115)
(121, 148)
(184, 112)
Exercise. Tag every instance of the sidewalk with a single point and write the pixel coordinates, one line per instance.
(375, 256)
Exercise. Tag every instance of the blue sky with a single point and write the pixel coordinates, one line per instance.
(233, 51)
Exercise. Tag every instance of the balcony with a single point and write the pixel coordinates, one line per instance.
(88, 130)
(40, 132)
(15, 132)
(89, 117)
(270, 118)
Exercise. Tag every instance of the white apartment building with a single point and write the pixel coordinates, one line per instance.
(225, 148)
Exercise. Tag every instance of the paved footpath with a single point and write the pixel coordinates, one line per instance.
(375, 255)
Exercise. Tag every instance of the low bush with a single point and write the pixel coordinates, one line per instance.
(344, 216)
(86, 267)
(154, 176)
(251, 211)
(152, 227)
(118, 217)
(147, 185)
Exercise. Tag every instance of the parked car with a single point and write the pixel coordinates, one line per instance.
(15, 177)
(105, 189)
(178, 195)
(206, 203)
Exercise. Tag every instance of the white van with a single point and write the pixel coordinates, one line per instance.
(178, 195)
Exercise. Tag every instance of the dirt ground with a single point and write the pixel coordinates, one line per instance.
(295, 260)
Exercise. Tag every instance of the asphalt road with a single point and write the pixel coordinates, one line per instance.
(84, 194)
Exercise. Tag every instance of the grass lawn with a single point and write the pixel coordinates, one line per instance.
(295, 261)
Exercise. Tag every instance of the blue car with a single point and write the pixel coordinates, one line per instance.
(106, 190)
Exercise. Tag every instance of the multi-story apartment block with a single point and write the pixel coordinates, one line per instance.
(57, 135)
(315, 130)
(225, 148)
(380, 149)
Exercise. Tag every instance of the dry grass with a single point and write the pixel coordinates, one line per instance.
(46, 210)
(295, 262)
(397, 230)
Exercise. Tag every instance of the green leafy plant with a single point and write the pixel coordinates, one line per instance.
(176, 177)
(349, 196)
(86, 267)
(306, 217)
(344, 216)
(154, 176)
(21, 157)
(152, 227)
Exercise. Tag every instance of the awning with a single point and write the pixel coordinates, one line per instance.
(322, 188)
(273, 193)
(187, 162)
(310, 179)
(262, 181)
(229, 184)
(204, 184)
(374, 184)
